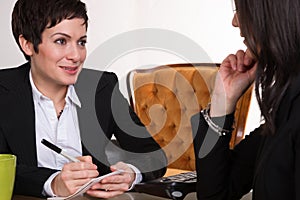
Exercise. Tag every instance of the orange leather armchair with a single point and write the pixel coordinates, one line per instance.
(165, 98)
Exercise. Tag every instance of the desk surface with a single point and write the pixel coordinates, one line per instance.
(126, 196)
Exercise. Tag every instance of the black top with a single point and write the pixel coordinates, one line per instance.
(270, 165)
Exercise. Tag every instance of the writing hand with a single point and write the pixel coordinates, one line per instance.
(73, 175)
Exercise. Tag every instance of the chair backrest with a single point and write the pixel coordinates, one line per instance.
(165, 98)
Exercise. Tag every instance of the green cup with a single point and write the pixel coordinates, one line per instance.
(7, 175)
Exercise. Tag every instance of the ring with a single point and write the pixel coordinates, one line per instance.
(107, 190)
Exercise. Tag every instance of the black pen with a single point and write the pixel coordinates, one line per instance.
(58, 150)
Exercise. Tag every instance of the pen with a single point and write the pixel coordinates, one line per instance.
(58, 150)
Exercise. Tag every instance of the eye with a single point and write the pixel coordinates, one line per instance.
(60, 41)
(82, 42)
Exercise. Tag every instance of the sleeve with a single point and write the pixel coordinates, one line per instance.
(223, 173)
(138, 146)
(297, 166)
(29, 180)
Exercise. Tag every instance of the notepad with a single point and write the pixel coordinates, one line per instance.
(86, 186)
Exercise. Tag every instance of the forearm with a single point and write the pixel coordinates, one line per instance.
(30, 180)
(223, 173)
(212, 157)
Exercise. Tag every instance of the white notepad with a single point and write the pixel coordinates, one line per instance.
(86, 186)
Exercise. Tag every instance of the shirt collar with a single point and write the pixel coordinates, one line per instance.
(70, 96)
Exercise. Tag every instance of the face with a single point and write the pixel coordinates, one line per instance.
(235, 23)
(61, 54)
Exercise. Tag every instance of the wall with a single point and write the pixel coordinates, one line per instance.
(128, 34)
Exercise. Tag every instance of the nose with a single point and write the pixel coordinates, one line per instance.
(75, 53)
(235, 21)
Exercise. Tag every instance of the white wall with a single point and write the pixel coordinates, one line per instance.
(206, 22)
(177, 31)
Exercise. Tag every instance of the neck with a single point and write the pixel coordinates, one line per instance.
(55, 92)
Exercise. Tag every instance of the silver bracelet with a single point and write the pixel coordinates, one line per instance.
(206, 114)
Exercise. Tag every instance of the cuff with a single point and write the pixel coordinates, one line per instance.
(225, 121)
(47, 186)
(138, 176)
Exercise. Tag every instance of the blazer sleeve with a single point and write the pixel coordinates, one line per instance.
(223, 173)
(137, 145)
(29, 179)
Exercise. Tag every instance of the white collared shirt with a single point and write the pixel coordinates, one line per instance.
(63, 132)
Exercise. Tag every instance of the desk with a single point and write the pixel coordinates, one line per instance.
(125, 196)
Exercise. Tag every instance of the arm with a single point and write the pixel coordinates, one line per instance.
(139, 147)
(223, 173)
(29, 178)
(216, 163)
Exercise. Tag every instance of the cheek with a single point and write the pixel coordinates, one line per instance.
(83, 55)
(52, 54)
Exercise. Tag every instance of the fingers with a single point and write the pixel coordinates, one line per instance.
(103, 193)
(119, 179)
(79, 167)
(241, 61)
(248, 58)
(114, 185)
(87, 159)
(74, 175)
(79, 170)
(111, 186)
(128, 175)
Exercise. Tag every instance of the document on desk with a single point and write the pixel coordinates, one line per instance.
(86, 186)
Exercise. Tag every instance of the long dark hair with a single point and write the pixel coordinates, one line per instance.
(272, 32)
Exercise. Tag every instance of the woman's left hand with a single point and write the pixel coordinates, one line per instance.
(114, 185)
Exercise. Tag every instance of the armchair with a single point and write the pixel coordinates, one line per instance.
(165, 97)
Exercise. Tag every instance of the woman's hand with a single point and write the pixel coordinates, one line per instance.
(236, 74)
(114, 185)
(73, 175)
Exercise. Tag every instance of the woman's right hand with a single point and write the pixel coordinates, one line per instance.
(236, 74)
(73, 175)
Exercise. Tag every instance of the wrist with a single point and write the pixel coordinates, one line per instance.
(222, 127)
(221, 105)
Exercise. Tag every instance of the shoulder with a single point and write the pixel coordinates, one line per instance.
(92, 75)
(14, 77)
(91, 79)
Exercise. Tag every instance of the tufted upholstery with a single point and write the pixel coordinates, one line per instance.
(165, 98)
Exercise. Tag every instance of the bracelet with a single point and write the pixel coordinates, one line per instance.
(221, 132)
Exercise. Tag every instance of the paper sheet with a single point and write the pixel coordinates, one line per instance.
(86, 186)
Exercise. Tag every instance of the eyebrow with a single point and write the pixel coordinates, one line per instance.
(68, 36)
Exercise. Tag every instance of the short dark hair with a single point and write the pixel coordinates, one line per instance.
(31, 17)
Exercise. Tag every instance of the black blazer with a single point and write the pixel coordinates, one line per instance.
(17, 127)
(270, 165)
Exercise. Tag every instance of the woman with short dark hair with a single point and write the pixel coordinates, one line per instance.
(38, 101)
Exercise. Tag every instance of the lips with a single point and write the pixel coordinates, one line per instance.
(70, 70)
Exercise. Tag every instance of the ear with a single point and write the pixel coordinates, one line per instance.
(26, 46)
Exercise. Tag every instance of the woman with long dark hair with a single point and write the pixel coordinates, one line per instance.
(268, 160)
